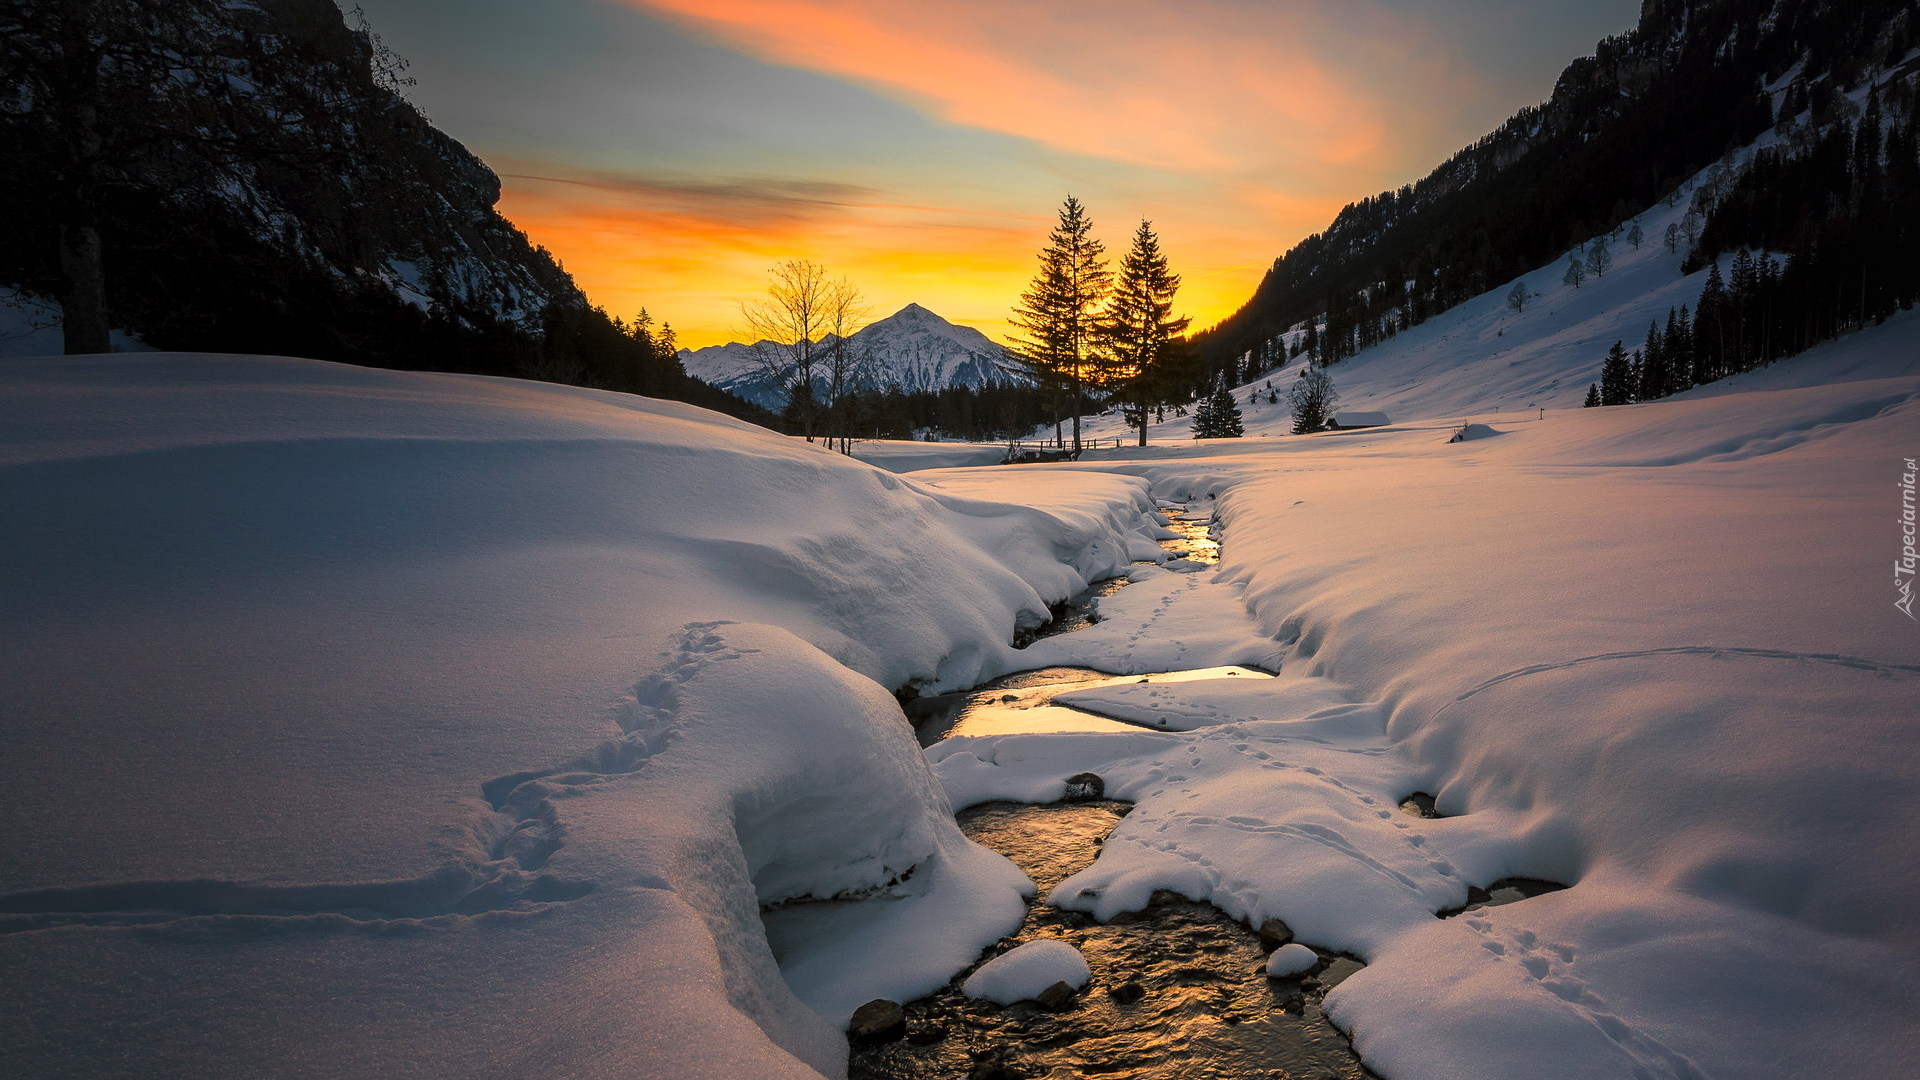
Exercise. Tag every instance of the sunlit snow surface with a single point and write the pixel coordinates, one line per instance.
(1651, 652)
(353, 716)
(363, 722)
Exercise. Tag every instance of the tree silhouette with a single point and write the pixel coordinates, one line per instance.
(1059, 311)
(1139, 333)
(1313, 399)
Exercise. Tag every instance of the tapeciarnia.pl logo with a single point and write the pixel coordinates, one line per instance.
(1903, 566)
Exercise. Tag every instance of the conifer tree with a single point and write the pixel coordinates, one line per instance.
(1710, 329)
(112, 105)
(1616, 377)
(1593, 396)
(1678, 343)
(1058, 312)
(1139, 334)
(1218, 417)
(1654, 379)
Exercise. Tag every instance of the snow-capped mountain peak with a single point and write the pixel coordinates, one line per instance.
(912, 349)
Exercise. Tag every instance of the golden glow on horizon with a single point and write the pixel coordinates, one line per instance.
(694, 268)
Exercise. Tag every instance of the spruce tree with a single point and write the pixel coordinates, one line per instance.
(1710, 329)
(1593, 396)
(1058, 312)
(1138, 332)
(1226, 415)
(1616, 377)
(1203, 421)
(1653, 366)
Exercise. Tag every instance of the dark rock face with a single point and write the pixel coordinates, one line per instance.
(259, 185)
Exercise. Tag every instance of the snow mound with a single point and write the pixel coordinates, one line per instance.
(1290, 959)
(323, 677)
(1022, 972)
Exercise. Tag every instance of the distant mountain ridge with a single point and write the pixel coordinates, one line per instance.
(1650, 108)
(913, 349)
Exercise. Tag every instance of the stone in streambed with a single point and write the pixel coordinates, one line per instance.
(1085, 786)
(877, 1021)
(1058, 997)
(1274, 933)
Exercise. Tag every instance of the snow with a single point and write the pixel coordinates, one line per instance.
(1649, 652)
(902, 455)
(1482, 359)
(1289, 960)
(474, 722)
(1022, 972)
(1347, 419)
(323, 677)
(912, 349)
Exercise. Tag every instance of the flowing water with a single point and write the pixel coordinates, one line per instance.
(1179, 990)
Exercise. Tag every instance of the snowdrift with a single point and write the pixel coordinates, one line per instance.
(341, 742)
(1649, 652)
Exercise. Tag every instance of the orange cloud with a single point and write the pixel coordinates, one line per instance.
(1206, 85)
(690, 251)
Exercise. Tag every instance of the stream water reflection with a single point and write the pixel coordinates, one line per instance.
(1178, 991)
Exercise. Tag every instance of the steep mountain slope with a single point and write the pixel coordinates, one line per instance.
(1623, 128)
(913, 349)
(246, 176)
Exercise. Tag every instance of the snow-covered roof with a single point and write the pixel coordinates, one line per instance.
(1360, 419)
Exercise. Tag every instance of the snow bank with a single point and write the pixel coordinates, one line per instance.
(903, 455)
(322, 677)
(1649, 652)
(1022, 972)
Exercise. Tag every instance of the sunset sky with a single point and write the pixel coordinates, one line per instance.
(670, 151)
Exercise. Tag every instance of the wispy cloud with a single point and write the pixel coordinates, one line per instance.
(1203, 85)
(756, 203)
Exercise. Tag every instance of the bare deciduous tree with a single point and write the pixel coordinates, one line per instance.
(800, 334)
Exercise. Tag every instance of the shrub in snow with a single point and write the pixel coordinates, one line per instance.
(1027, 970)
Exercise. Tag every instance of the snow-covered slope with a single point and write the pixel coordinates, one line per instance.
(912, 349)
(915, 349)
(1482, 358)
(363, 723)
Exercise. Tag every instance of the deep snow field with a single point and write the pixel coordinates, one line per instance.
(364, 723)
